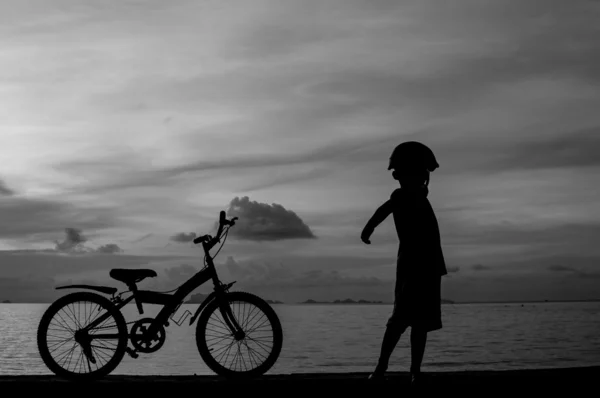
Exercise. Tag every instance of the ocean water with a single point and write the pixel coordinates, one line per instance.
(347, 338)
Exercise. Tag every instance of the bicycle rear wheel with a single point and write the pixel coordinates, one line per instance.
(261, 345)
(68, 352)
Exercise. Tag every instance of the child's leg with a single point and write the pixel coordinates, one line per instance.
(392, 335)
(418, 339)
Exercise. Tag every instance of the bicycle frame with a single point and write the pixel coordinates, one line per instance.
(171, 302)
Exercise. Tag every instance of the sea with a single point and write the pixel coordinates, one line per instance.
(347, 338)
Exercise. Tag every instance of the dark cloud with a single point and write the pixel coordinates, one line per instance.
(178, 275)
(255, 272)
(281, 37)
(183, 237)
(4, 190)
(562, 150)
(110, 248)
(452, 268)
(141, 238)
(323, 279)
(282, 282)
(24, 217)
(574, 271)
(265, 181)
(51, 262)
(265, 273)
(566, 237)
(167, 279)
(560, 268)
(128, 175)
(74, 242)
(261, 221)
(340, 149)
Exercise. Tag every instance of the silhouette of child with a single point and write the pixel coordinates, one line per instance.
(420, 262)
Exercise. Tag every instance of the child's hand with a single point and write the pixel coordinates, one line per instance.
(365, 235)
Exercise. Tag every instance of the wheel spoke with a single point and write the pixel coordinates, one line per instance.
(60, 343)
(228, 354)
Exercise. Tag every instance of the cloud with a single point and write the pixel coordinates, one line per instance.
(29, 218)
(179, 274)
(480, 267)
(74, 243)
(141, 238)
(109, 248)
(575, 271)
(4, 190)
(127, 171)
(560, 268)
(264, 222)
(569, 236)
(282, 282)
(578, 148)
(171, 278)
(282, 177)
(452, 268)
(255, 274)
(183, 237)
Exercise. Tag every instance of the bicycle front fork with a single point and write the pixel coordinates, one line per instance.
(232, 324)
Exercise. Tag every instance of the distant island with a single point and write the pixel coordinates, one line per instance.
(199, 298)
(6, 302)
(346, 301)
(351, 301)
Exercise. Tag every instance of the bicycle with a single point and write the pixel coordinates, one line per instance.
(147, 335)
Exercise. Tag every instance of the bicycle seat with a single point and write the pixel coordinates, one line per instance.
(129, 276)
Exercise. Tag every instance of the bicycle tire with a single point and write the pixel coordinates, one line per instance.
(271, 316)
(44, 326)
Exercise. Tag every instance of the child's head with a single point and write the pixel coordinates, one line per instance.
(412, 178)
(411, 163)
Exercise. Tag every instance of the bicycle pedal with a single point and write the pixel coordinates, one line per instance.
(132, 353)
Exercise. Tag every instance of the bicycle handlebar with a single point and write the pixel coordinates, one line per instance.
(213, 241)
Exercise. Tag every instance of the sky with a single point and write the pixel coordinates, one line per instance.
(126, 126)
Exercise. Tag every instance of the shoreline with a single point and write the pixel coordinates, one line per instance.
(391, 303)
(539, 380)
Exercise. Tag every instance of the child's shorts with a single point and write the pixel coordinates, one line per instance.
(417, 302)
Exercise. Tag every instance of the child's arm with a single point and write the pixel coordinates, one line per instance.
(378, 217)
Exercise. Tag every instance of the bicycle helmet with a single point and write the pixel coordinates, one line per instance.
(413, 155)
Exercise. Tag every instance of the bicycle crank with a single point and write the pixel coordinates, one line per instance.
(140, 339)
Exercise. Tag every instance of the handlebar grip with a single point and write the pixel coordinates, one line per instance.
(200, 239)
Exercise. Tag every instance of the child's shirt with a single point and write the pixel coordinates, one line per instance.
(418, 231)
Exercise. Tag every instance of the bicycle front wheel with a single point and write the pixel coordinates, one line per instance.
(75, 354)
(250, 356)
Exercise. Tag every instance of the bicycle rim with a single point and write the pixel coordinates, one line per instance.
(56, 336)
(252, 356)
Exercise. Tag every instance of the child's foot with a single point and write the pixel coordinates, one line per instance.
(416, 379)
(378, 374)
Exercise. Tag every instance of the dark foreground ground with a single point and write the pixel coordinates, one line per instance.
(575, 382)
